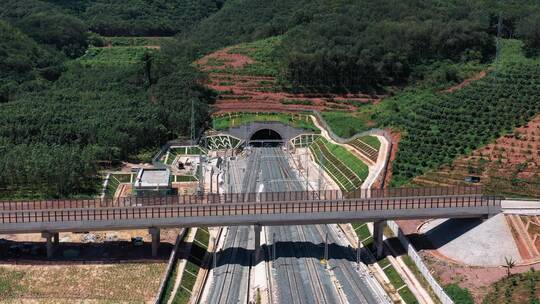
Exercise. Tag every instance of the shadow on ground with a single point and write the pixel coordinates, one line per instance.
(443, 233)
(84, 253)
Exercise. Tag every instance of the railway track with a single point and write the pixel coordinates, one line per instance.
(231, 285)
(223, 286)
(345, 271)
(304, 276)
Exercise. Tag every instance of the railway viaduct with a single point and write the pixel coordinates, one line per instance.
(236, 209)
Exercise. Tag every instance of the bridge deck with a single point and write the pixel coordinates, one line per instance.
(242, 209)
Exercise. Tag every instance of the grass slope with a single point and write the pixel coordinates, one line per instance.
(237, 119)
(114, 56)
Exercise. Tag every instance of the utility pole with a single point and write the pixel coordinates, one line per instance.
(499, 33)
(211, 178)
(358, 254)
(321, 167)
(274, 257)
(192, 122)
(326, 248)
(307, 170)
(229, 175)
(214, 258)
(202, 170)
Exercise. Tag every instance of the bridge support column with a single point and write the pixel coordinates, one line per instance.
(378, 228)
(56, 239)
(155, 232)
(48, 236)
(257, 229)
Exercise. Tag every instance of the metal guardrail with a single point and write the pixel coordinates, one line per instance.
(250, 208)
(289, 196)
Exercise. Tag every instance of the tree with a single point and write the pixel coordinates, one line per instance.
(66, 33)
(509, 264)
(529, 31)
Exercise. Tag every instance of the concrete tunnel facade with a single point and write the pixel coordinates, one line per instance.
(269, 132)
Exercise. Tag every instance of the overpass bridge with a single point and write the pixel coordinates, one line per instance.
(259, 209)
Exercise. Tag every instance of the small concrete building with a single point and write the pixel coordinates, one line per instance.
(153, 182)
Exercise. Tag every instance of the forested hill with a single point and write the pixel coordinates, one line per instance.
(70, 108)
(23, 61)
(118, 18)
(364, 44)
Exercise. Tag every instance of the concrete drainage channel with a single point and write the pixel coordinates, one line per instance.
(170, 267)
(184, 278)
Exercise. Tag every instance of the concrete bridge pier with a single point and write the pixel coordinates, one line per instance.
(155, 233)
(257, 229)
(48, 236)
(56, 239)
(378, 228)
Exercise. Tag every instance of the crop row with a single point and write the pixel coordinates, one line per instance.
(338, 165)
(366, 149)
(440, 127)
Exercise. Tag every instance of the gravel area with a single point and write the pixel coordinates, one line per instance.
(472, 241)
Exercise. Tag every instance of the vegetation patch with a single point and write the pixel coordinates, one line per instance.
(395, 279)
(517, 288)
(460, 295)
(114, 56)
(347, 124)
(114, 181)
(372, 141)
(112, 283)
(136, 41)
(264, 55)
(97, 111)
(343, 166)
(10, 283)
(226, 121)
(439, 127)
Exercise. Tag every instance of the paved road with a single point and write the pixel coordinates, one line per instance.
(300, 277)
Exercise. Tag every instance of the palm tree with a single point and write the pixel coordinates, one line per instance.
(510, 263)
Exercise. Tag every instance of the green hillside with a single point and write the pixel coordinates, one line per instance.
(68, 108)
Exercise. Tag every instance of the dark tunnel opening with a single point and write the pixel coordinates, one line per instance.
(266, 138)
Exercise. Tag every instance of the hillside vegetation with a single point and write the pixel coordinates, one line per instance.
(68, 108)
(439, 127)
(60, 93)
(118, 18)
(364, 45)
(23, 61)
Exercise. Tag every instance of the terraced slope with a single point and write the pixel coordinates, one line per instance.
(439, 128)
(345, 169)
(368, 146)
(510, 165)
(245, 76)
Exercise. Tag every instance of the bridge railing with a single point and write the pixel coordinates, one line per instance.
(289, 196)
(255, 208)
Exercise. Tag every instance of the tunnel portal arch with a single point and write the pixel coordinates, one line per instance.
(266, 137)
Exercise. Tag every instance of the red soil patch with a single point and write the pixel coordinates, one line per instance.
(235, 61)
(466, 82)
(261, 93)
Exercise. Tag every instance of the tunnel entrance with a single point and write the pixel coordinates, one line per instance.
(266, 138)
